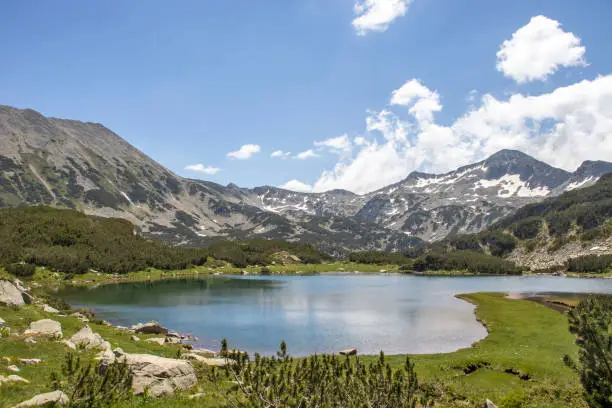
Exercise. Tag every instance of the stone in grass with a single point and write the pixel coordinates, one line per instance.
(31, 340)
(197, 396)
(489, 404)
(57, 398)
(10, 295)
(13, 368)
(30, 361)
(87, 338)
(16, 378)
(149, 328)
(49, 309)
(135, 338)
(349, 352)
(2, 322)
(46, 327)
(159, 340)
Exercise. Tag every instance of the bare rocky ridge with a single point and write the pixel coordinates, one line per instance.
(49, 161)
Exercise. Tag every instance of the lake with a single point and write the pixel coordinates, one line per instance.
(320, 313)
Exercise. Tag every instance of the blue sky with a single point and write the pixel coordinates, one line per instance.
(188, 82)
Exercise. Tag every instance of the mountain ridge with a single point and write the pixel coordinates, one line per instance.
(86, 166)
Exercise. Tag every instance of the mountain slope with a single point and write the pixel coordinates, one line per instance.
(87, 167)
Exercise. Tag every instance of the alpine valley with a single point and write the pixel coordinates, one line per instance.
(66, 163)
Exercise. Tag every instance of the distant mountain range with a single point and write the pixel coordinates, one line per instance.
(65, 163)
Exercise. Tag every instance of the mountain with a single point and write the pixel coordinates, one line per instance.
(86, 166)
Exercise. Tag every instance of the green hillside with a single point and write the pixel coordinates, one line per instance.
(72, 242)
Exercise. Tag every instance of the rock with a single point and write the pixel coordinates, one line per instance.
(173, 340)
(69, 344)
(489, 404)
(45, 327)
(197, 396)
(159, 340)
(7, 360)
(349, 352)
(49, 309)
(13, 368)
(86, 337)
(80, 316)
(57, 397)
(106, 356)
(10, 295)
(31, 340)
(174, 334)
(30, 361)
(150, 328)
(159, 375)
(204, 352)
(16, 378)
(2, 322)
(135, 338)
(214, 362)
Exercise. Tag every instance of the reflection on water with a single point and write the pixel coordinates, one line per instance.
(314, 314)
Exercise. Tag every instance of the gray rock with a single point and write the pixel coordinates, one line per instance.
(489, 404)
(159, 375)
(13, 368)
(204, 352)
(31, 340)
(45, 327)
(86, 337)
(16, 378)
(213, 362)
(2, 322)
(30, 361)
(57, 397)
(10, 295)
(349, 352)
(49, 309)
(159, 340)
(149, 328)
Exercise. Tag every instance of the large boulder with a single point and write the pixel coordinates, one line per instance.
(149, 328)
(45, 327)
(56, 397)
(10, 295)
(158, 375)
(86, 337)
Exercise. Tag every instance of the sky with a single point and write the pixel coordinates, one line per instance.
(313, 95)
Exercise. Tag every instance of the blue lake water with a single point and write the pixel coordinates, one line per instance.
(316, 314)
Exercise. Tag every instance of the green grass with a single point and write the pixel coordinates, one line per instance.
(524, 337)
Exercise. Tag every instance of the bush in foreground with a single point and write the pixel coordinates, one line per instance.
(322, 381)
(591, 322)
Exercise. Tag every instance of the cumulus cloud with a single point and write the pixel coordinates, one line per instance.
(563, 128)
(424, 101)
(538, 49)
(306, 154)
(280, 154)
(245, 152)
(200, 168)
(376, 15)
(340, 144)
(296, 185)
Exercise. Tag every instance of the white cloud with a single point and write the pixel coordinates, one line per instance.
(296, 185)
(360, 141)
(281, 154)
(563, 128)
(245, 152)
(340, 144)
(200, 168)
(307, 154)
(538, 49)
(424, 101)
(376, 15)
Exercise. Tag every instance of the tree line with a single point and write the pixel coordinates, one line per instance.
(72, 242)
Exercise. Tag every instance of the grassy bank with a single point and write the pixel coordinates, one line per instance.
(519, 363)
